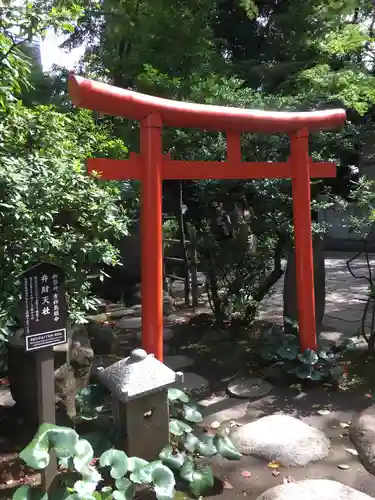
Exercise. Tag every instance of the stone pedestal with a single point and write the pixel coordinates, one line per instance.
(144, 425)
(139, 385)
(290, 288)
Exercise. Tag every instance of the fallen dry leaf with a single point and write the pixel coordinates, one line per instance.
(275, 473)
(227, 485)
(246, 473)
(273, 465)
(343, 466)
(352, 451)
(344, 425)
(368, 395)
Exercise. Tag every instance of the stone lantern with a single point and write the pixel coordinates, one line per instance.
(139, 386)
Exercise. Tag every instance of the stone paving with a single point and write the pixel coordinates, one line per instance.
(345, 298)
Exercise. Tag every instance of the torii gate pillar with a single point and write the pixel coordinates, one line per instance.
(151, 167)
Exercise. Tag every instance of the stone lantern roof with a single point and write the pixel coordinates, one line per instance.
(137, 375)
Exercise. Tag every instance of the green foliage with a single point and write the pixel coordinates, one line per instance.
(186, 445)
(50, 209)
(320, 365)
(77, 454)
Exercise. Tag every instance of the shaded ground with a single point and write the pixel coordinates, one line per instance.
(220, 356)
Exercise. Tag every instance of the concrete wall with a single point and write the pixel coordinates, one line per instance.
(339, 235)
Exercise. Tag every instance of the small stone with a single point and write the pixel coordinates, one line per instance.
(177, 362)
(249, 388)
(343, 466)
(282, 439)
(352, 451)
(313, 489)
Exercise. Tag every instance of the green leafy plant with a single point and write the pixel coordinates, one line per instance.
(186, 445)
(320, 365)
(85, 478)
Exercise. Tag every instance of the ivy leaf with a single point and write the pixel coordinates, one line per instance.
(190, 442)
(203, 481)
(226, 448)
(177, 395)
(187, 469)
(126, 489)
(171, 459)
(178, 428)
(191, 414)
(164, 482)
(205, 446)
(27, 493)
(117, 460)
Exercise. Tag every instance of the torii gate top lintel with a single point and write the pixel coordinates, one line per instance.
(151, 166)
(116, 101)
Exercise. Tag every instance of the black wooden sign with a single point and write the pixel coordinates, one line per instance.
(44, 305)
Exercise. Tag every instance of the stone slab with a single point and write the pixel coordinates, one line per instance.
(249, 388)
(285, 439)
(177, 362)
(313, 489)
(362, 435)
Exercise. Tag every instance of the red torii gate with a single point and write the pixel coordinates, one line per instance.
(151, 167)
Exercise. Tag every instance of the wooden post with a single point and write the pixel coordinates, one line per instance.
(303, 239)
(45, 382)
(152, 236)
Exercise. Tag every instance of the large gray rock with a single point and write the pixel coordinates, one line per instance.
(290, 288)
(285, 439)
(362, 434)
(313, 489)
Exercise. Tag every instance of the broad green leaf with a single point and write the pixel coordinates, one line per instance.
(316, 374)
(83, 455)
(171, 458)
(191, 414)
(226, 448)
(164, 482)
(288, 351)
(190, 442)
(64, 441)
(27, 493)
(117, 460)
(36, 453)
(336, 373)
(187, 469)
(304, 371)
(178, 428)
(205, 446)
(89, 482)
(202, 482)
(98, 441)
(177, 395)
(309, 357)
(126, 489)
(135, 463)
(143, 475)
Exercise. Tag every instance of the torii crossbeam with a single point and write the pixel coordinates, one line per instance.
(151, 166)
